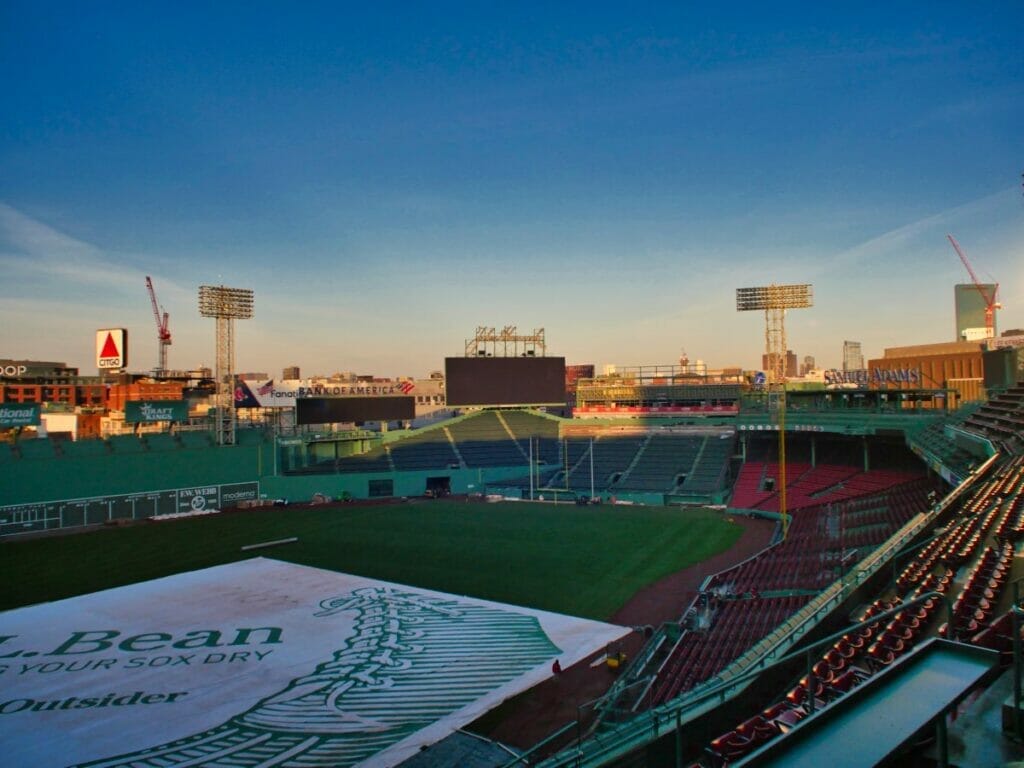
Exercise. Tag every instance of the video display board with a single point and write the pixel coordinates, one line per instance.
(340, 410)
(480, 381)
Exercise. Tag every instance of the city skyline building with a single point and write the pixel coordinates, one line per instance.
(969, 310)
(853, 357)
(791, 366)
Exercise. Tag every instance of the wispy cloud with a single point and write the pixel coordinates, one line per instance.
(31, 247)
(897, 242)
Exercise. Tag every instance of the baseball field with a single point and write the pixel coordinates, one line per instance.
(579, 560)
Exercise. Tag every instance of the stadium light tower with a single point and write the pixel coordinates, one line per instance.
(775, 300)
(225, 305)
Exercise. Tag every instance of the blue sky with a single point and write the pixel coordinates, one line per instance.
(386, 179)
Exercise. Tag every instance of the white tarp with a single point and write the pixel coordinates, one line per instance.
(265, 662)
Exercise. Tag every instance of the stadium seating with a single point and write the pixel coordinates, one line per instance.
(1001, 419)
(376, 460)
(612, 455)
(661, 460)
(711, 468)
(748, 491)
(483, 441)
(428, 449)
(524, 426)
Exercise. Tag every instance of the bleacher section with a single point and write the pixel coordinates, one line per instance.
(483, 441)
(543, 431)
(612, 456)
(376, 460)
(709, 473)
(429, 449)
(931, 441)
(1001, 419)
(662, 459)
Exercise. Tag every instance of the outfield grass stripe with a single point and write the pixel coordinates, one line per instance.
(579, 561)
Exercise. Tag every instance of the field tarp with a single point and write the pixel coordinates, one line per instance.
(265, 662)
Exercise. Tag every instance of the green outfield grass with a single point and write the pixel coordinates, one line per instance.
(582, 561)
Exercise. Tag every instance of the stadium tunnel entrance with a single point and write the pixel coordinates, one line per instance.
(438, 487)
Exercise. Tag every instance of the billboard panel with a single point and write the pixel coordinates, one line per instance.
(480, 381)
(145, 411)
(19, 415)
(338, 410)
(266, 663)
(111, 349)
(284, 394)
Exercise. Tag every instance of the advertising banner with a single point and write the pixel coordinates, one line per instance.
(198, 499)
(111, 349)
(19, 415)
(146, 411)
(262, 662)
(283, 394)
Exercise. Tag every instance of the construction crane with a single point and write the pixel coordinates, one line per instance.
(163, 333)
(991, 305)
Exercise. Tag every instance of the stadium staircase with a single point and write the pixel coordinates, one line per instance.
(737, 607)
(512, 436)
(424, 449)
(455, 446)
(1001, 420)
(710, 468)
(483, 441)
(969, 542)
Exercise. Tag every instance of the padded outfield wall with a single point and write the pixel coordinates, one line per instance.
(52, 491)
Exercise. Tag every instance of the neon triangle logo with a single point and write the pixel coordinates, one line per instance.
(109, 347)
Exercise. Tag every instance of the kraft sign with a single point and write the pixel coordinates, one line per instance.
(111, 349)
(146, 411)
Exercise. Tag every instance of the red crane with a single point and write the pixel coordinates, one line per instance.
(163, 333)
(991, 305)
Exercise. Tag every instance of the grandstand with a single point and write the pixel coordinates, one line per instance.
(885, 509)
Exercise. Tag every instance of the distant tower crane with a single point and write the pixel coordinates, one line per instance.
(991, 304)
(163, 333)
